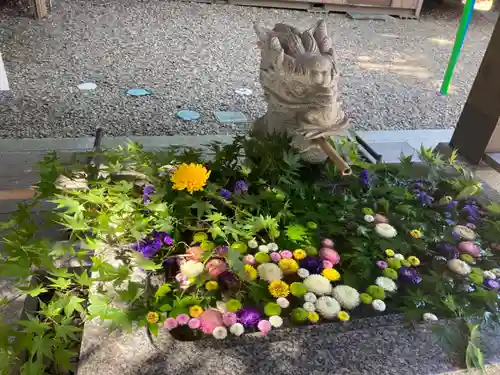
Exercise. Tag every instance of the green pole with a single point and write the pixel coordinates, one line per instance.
(459, 40)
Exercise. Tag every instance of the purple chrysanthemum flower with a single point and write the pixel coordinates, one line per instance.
(456, 235)
(418, 185)
(492, 284)
(163, 237)
(224, 193)
(364, 177)
(448, 250)
(450, 222)
(424, 198)
(248, 316)
(410, 275)
(472, 213)
(312, 264)
(450, 206)
(381, 264)
(240, 186)
(147, 191)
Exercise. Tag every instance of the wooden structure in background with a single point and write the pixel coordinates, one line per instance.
(401, 8)
(477, 134)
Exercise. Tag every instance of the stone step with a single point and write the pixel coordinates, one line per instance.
(383, 345)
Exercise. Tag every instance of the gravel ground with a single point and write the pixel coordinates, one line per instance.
(193, 56)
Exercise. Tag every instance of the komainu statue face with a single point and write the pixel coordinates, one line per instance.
(299, 77)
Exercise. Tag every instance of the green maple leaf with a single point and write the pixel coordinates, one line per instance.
(216, 231)
(162, 291)
(216, 217)
(76, 222)
(69, 205)
(74, 304)
(33, 325)
(50, 310)
(83, 279)
(62, 357)
(295, 232)
(98, 305)
(36, 291)
(202, 207)
(66, 332)
(145, 264)
(60, 283)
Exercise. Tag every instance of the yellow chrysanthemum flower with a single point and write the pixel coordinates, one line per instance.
(343, 316)
(289, 266)
(389, 252)
(152, 317)
(250, 272)
(414, 261)
(416, 233)
(279, 288)
(331, 274)
(195, 311)
(211, 285)
(299, 254)
(191, 177)
(313, 316)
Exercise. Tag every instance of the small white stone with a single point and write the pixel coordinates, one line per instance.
(429, 317)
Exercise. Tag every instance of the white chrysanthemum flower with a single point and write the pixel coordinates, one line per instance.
(489, 275)
(388, 284)
(221, 306)
(237, 329)
(465, 232)
(272, 246)
(429, 317)
(369, 218)
(191, 268)
(496, 272)
(327, 307)
(317, 284)
(269, 272)
(378, 305)
(399, 256)
(310, 297)
(347, 296)
(385, 230)
(309, 306)
(459, 266)
(263, 249)
(303, 273)
(276, 321)
(253, 244)
(283, 302)
(220, 333)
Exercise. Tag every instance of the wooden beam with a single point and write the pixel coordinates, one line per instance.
(480, 118)
(7, 195)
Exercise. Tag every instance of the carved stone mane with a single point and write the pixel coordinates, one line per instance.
(300, 81)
